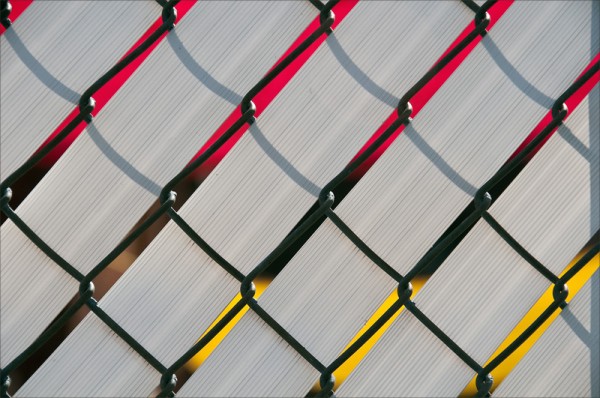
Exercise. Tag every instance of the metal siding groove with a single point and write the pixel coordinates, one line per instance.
(484, 287)
(55, 51)
(468, 129)
(155, 124)
(271, 177)
(564, 361)
(322, 296)
(334, 118)
(248, 198)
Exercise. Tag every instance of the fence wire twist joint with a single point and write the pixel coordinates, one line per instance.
(247, 288)
(404, 110)
(482, 22)
(169, 16)
(404, 291)
(86, 289)
(167, 197)
(326, 197)
(327, 19)
(482, 18)
(248, 109)
(482, 200)
(5, 385)
(484, 382)
(326, 382)
(560, 292)
(6, 196)
(168, 381)
(559, 110)
(5, 10)
(86, 106)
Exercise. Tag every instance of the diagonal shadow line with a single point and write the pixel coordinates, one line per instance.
(282, 162)
(566, 134)
(38, 69)
(358, 75)
(514, 75)
(438, 161)
(119, 161)
(580, 331)
(199, 72)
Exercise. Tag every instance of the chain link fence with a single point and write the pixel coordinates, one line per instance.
(329, 197)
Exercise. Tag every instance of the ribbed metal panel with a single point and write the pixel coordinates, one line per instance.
(251, 371)
(565, 197)
(50, 56)
(484, 287)
(315, 125)
(565, 361)
(299, 309)
(469, 128)
(300, 299)
(273, 175)
(123, 379)
(339, 288)
(155, 124)
(255, 196)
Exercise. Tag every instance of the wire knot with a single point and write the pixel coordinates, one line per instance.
(169, 16)
(86, 106)
(404, 111)
(247, 289)
(86, 289)
(483, 200)
(404, 291)
(5, 10)
(168, 196)
(560, 292)
(484, 383)
(326, 381)
(559, 111)
(5, 385)
(168, 381)
(6, 196)
(248, 109)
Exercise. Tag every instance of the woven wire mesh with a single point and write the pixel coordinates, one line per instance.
(329, 198)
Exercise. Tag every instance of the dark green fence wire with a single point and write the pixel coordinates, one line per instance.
(481, 203)
(324, 209)
(167, 199)
(5, 10)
